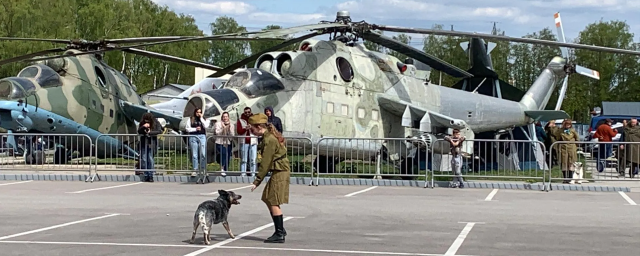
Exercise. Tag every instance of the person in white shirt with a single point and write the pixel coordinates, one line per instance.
(248, 144)
(224, 132)
(196, 127)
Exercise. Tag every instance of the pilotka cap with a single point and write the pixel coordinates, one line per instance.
(259, 118)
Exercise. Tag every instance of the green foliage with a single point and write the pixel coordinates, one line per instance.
(95, 20)
(259, 46)
(519, 64)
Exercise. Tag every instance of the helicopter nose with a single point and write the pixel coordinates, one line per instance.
(14, 88)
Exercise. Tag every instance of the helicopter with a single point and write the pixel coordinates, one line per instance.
(340, 89)
(78, 93)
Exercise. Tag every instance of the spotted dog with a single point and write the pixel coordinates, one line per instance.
(213, 212)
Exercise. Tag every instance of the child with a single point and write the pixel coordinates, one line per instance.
(456, 157)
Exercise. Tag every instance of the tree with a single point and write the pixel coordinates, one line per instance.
(529, 60)
(448, 49)
(619, 79)
(225, 53)
(262, 45)
(95, 20)
(403, 38)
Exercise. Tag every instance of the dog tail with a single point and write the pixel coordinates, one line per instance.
(202, 219)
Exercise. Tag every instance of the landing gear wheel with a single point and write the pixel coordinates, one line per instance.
(60, 156)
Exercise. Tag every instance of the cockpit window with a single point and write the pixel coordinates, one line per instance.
(211, 110)
(238, 80)
(224, 97)
(29, 72)
(44, 75)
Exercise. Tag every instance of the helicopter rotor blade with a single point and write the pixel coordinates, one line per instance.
(274, 34)
(414, 53)
(59, 41)
(255, 56)
(503, 38)
(30, 55)
(113, 48)
(171, 58)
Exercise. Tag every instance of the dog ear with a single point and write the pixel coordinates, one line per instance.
(222, 192)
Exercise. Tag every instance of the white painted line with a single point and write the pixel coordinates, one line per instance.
(328, 251)
(361, 191)
(13, 183)
(57, 226)
(111, 244)
(222, 247)
(94, 189)
(215, 193)
(626, 197)
(492, 194)
(458, 242)
(238, 237)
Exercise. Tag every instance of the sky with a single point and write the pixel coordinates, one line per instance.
(515, 17)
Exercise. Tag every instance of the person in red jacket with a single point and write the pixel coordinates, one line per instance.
(604, 133)
(248, 145)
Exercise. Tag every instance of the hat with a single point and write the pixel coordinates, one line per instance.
(258, 119)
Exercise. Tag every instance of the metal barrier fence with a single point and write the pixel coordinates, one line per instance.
(371, 158)
(490, 159)
(584, 161)
(238, 155)
(406, 158)
(162, 154)
(52, 152)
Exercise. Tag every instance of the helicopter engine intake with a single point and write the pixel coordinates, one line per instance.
(284, 62)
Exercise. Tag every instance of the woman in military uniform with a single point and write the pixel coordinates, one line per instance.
(274, 160)
(567, 152)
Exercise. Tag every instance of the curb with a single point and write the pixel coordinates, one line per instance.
(321, 181)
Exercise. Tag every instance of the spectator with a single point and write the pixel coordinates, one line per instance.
(197, 128)
(568, 152)
(630, 136)
(540, 133)
(455, 142)
(248, 145)
(548, 143)
(224, 131)
(273, 119)
(604, 133)
(148, 129)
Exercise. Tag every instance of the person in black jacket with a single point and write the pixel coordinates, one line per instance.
(273, 119)
(148, 129)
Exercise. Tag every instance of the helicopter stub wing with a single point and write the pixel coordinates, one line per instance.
(429, 120)
(135, 112)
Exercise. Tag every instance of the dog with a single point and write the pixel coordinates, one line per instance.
(578, 173)
(213, 212)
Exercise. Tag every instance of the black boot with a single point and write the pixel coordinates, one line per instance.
(278, 236)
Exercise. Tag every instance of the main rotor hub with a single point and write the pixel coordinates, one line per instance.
(343, 16)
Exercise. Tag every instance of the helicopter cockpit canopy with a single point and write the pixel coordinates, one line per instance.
(44, 75)
(215, 102)
(255, 82)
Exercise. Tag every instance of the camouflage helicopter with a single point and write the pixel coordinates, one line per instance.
(339, 88)
(78, 93)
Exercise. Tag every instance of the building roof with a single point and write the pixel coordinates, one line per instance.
(177, 87)
(620, 108)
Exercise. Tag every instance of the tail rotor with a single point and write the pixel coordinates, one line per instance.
(574, 69)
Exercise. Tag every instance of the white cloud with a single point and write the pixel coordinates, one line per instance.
(422, 10)
(291, 18)
(215, 7)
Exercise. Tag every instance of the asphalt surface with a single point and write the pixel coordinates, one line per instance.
(116, 218)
